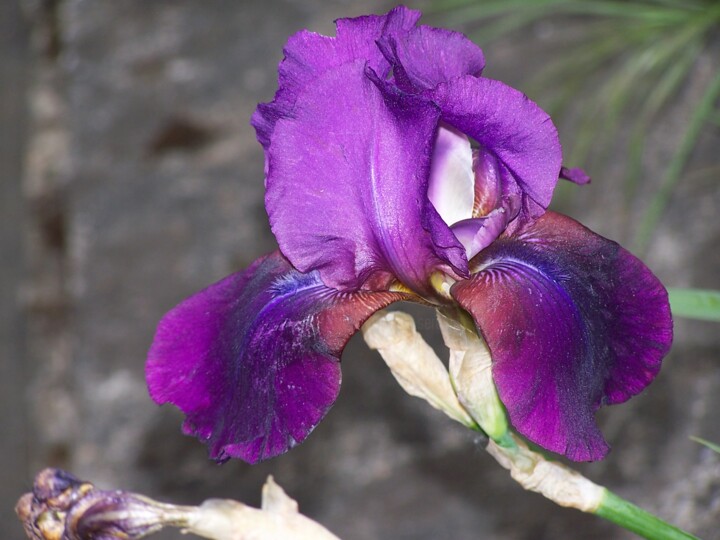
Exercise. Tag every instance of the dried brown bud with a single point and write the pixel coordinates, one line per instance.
(62, 507)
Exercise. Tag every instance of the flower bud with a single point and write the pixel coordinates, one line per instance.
(471, 375)
(62, 507)
(413, 362)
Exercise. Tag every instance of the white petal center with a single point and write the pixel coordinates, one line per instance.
(452, 182)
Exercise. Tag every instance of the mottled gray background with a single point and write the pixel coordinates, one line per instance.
(130, 178)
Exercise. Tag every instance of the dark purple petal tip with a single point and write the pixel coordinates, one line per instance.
(253, 360)
(573, 322)
(576, 176)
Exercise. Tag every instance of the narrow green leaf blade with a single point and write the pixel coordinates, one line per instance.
(700, 304)
(712, 446)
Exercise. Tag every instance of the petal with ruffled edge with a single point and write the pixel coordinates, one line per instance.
(509, 125)
(308, 55)
(424, 57)
(347, 184)
(253, 360)
(573, 322)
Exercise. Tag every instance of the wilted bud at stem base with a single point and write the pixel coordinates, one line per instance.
(61, 507)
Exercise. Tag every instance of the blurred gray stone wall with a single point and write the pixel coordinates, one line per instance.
(131, 179)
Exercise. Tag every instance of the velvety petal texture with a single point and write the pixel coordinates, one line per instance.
(425, 56)
(253, 360)
(308, 55)
(347, 184)
(573, 321)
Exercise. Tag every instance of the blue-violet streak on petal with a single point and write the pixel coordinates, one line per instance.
(347, 184)
(253, 360)
(573, 321)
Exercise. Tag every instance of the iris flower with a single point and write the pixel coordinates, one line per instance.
(396, 171)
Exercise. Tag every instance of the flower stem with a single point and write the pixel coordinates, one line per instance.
(475, 405)
(637, 520)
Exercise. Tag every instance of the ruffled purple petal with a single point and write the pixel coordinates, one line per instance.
(425, 56)
(253, 360)
(512, 128)
(347, 184)
(308, 55)
(573, 321)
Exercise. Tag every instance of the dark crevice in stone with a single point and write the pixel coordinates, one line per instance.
(51, 219)
(53, 44)
(179, 134)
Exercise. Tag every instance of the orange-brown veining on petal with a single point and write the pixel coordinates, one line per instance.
(487, 182)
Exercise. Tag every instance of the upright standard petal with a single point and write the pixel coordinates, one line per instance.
(308, 55)
(573, 322)
(509, 126)
(347, 184)
(424, 57)
(253, 360)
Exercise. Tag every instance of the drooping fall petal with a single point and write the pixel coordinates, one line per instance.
(253, 360)
(573, 322)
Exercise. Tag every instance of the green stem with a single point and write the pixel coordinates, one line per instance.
(637, 520)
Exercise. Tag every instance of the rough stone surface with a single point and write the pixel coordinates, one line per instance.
(142, 183)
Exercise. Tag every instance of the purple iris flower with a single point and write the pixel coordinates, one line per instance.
(395, 171)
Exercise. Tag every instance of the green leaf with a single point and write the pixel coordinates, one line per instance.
(695, 304)
(637, 520)
(712, 446)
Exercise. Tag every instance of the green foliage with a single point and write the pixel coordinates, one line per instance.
(695, 304)
(712, 446)
(630, 60)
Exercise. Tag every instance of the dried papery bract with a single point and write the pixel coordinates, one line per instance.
(471, 373)
(413, 362)
(554, 480)
(62, 507)
(411, 359)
